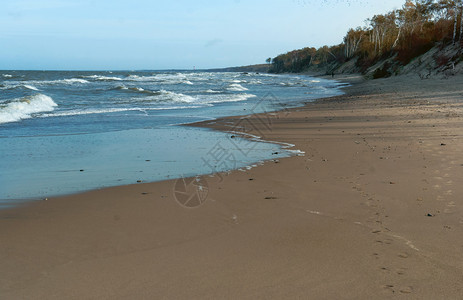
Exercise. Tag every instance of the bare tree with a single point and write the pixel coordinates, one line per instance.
(455, 17)
(461, 21)
(352, 41)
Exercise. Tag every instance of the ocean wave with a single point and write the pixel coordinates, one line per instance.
(134, 89)
(175, 97)
(162, 78)
(161, 95)
(23, 108)
(30, 87)
(211, 99)
(20, 86)
(166, 97)
(112, 110)
(255, 82)
(235, 87)
(156, 97)
(73, 80)
(103, 78)
(60, 81)
(290, 84)
(31, 84)
(7, 75)
(90, 111)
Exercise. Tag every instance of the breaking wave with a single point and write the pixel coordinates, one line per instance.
(24, 108)
(103, 78)
(235, 87)
(110, 110)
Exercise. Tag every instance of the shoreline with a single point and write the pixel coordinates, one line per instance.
(65, 189)
(352, 212)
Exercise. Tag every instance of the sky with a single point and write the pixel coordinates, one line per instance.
(174, 34)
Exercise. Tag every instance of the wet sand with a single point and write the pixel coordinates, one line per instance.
(373, 210)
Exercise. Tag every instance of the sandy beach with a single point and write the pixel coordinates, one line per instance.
(373, 210)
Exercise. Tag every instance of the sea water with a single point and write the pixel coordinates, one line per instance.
(69, 131)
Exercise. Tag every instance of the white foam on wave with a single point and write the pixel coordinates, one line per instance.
(155, 96)
(164, 96)
(32, 83)
(225, 98)
(163, 78)
(60, 81)
(135, 89)
(30, 87)
(14, 86)
(212, 91)
(235, 87)
(255, 82)
(24, 108)
(73, 80)
(111, 110)
(90, 111)
(139, 89)
(7, 75)
(175, 97)
(103, 78)
(140, 78)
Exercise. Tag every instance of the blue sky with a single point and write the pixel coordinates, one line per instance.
(142, 34)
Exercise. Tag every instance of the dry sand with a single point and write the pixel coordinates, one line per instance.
(374, 210)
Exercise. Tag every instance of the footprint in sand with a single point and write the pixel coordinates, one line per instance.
(436, 186)
(389, 287)
(401, 271)
(384, 269)
(451, 204)
(449, 192)
(403, 255)
(406, 290)
(386, 241)
(450, 182)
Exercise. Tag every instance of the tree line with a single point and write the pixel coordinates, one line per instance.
(403, 33)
